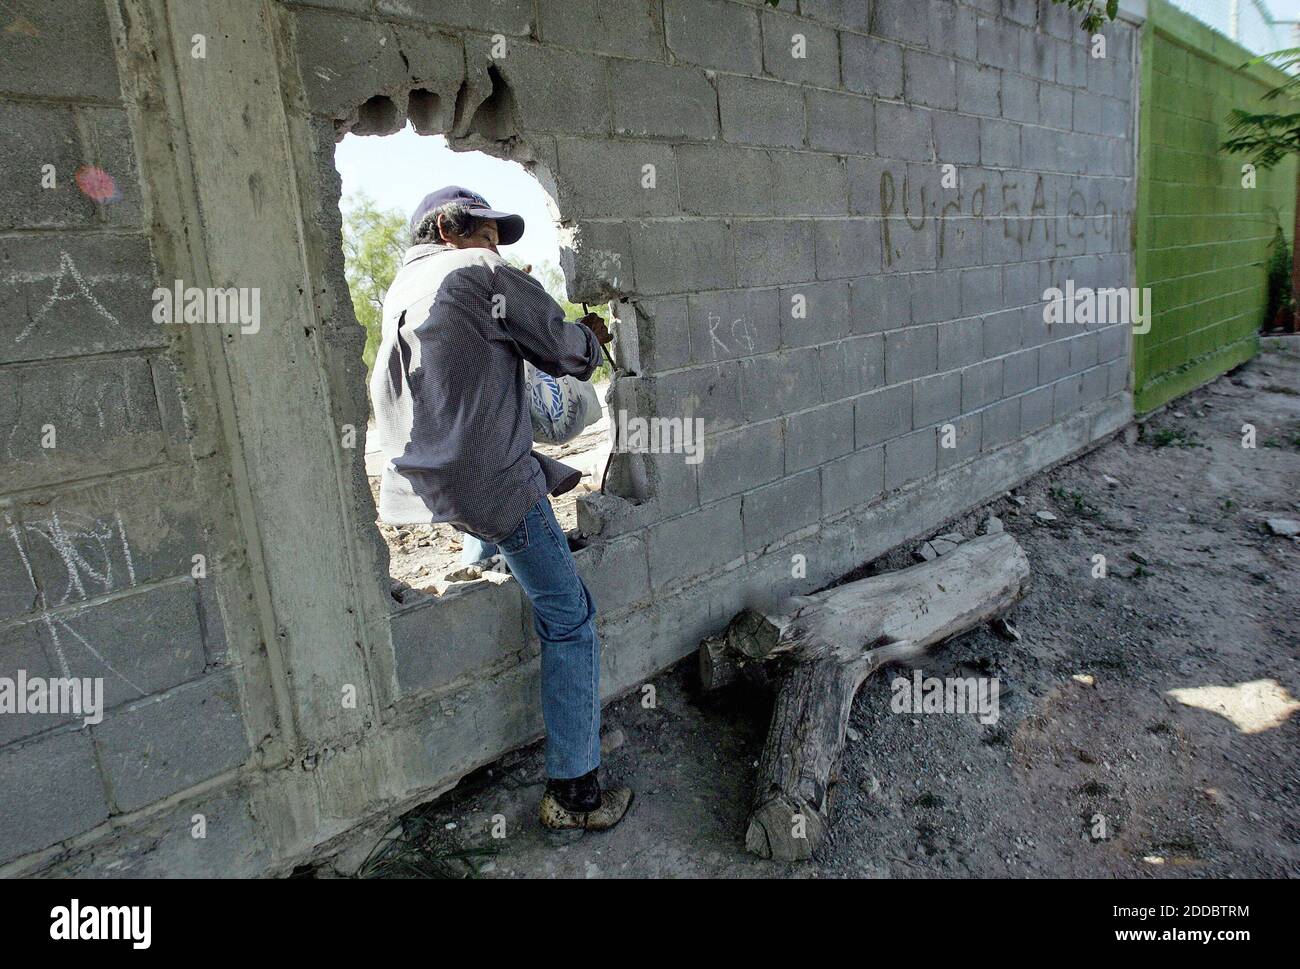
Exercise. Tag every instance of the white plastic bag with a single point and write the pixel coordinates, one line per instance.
(561, 407)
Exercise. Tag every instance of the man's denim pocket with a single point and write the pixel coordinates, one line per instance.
(518, 540)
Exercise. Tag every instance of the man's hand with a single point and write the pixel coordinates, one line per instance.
(596, 325)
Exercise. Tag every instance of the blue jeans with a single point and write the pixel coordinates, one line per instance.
(564, 616)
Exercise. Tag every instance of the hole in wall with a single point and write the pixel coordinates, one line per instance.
(383, 179)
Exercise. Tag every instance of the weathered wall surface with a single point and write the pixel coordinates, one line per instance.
(797, 274)
(1203, 236)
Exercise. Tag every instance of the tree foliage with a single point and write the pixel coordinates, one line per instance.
(1268, 137)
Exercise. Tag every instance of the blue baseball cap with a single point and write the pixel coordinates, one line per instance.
(510, 227)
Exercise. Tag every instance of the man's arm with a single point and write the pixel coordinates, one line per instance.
(536, 323)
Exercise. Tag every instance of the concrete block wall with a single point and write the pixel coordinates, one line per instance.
(793, 269)
(1203, 235)
(104, 468)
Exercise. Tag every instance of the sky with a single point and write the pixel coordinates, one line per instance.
(397, 171)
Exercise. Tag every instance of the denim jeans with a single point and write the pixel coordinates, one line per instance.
(564, 616)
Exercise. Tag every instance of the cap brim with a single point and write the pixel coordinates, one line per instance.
(510, 228)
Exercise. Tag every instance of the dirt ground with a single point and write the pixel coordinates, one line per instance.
(1198, 595)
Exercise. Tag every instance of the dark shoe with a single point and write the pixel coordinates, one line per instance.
(580, 804)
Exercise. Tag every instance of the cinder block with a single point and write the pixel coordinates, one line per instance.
(936, 398)
(929, 79)
(978, 90)
(63, 50)
(936, 296)
(776, 510)
(1083, 351)
(599, 177)
(670, 259)
(72, 295)
(1067, 397)
(493, 17)
(598, 264)
(981, 291)
(797, 50)
(997, 43)
(1056, 106)
(1020, 99)
(24, 652)
(760, 112)
(871, 66)
(780, 383)
(847, 247)
(1020, 372)
(629, 30)
(1036, 409)
(880, 303)
(699, 542)
(52, 791)
(616, 572)
(825, 313)
(872, 182)
(774, 251)
(1113, 341)
(1038, 55)
(471, 627)
(981, 384)
(161, 746)
(733, 323)
(714, 34)
(964, 435)
(911, 352)
(952, 29)
(1072, 62)
(810, 183)
(742, 459)
(1002, 331)
(717, 180)
(844, 13)
(103, 414)
(960, 343)
(112, 535)
(1001, 423)
(905, 132)
(910, 458)
(663, 333)
(1053, 361)
(711, 393)
(852, 367)
(17, 590)
(882, 415)
(900, 20)
(956, 138)
(345, 60)
(1094, 385)
(908, 247)
(852, 480)
(999, 143)
(672, 101)
(816, 436)
(31, 137)
(842, 123)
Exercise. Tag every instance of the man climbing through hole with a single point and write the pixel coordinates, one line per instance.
(453, 422)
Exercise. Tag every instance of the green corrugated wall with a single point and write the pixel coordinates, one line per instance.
(1202, 238)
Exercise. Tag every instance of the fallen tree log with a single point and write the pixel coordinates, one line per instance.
(831, 642)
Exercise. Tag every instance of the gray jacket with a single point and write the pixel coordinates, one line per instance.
(448, 390)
